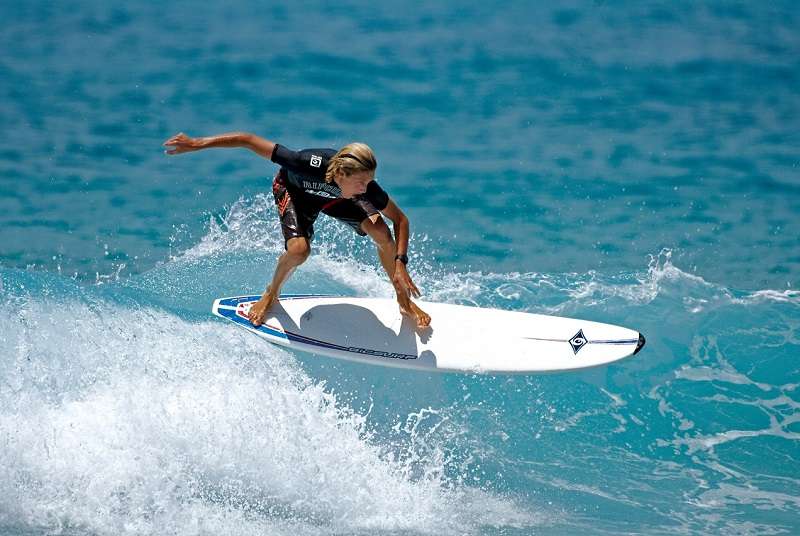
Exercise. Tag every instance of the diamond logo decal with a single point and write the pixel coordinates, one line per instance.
(578, 341)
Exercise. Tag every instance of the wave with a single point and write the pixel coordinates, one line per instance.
(125, 407)
(119, 419)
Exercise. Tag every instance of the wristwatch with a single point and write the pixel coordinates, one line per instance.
(402, 258)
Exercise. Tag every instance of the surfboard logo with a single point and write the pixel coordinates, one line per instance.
(578, 341)
(379, 353)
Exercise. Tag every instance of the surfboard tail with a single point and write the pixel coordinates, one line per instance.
(640, 344)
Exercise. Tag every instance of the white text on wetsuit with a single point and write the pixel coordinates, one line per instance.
(322, 189)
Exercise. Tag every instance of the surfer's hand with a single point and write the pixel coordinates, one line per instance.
(181, 143)
(402, 281)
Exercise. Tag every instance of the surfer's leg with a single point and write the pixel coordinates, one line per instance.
(297, 225)
(387, 249)
(297, 251)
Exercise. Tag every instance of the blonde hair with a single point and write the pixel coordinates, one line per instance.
(352, 158)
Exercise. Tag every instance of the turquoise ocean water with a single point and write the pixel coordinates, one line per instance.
(636, 163)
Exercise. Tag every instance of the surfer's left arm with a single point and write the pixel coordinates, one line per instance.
(401, 232)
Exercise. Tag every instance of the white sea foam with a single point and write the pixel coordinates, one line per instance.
(727, 493)
(247, 225)
(761, 296)
(709, 382)
(134, 421)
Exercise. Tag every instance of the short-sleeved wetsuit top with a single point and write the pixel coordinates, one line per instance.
(301, 193)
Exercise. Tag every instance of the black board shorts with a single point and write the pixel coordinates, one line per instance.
(298, 211)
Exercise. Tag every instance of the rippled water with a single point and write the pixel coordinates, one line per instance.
(631, 163)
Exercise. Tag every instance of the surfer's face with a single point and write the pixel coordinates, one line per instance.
(355, 184)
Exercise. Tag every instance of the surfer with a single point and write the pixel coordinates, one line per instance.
(338, 183)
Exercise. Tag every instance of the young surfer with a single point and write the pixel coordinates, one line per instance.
(338, 183)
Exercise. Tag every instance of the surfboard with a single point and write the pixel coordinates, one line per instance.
(460, 339)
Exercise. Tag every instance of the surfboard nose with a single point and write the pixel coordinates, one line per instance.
(640, 344)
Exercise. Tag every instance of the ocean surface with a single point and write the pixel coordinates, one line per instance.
(636, 163)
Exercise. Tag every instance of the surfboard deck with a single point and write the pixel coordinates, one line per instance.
(460, 338)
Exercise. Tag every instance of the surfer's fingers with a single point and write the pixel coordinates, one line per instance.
(179, 139)
(183, 144)
(404, 289)
(180, 148)
(173, 140)
(412, 288)
(173, 147)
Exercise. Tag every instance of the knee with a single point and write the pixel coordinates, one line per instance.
(298, 250)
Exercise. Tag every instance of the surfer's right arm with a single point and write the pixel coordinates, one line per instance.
(181, 143)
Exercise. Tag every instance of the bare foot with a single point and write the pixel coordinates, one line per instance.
(412, 309)
(259, 309)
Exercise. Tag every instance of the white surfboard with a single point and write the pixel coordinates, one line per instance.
(460, 338)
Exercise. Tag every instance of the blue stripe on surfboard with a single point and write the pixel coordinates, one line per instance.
(231, 314)
(236, 300)
(350, 349)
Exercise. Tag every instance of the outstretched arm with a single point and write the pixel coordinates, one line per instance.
(181, 143)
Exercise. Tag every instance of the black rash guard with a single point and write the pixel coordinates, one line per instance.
(301, 193)
(305, 172)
